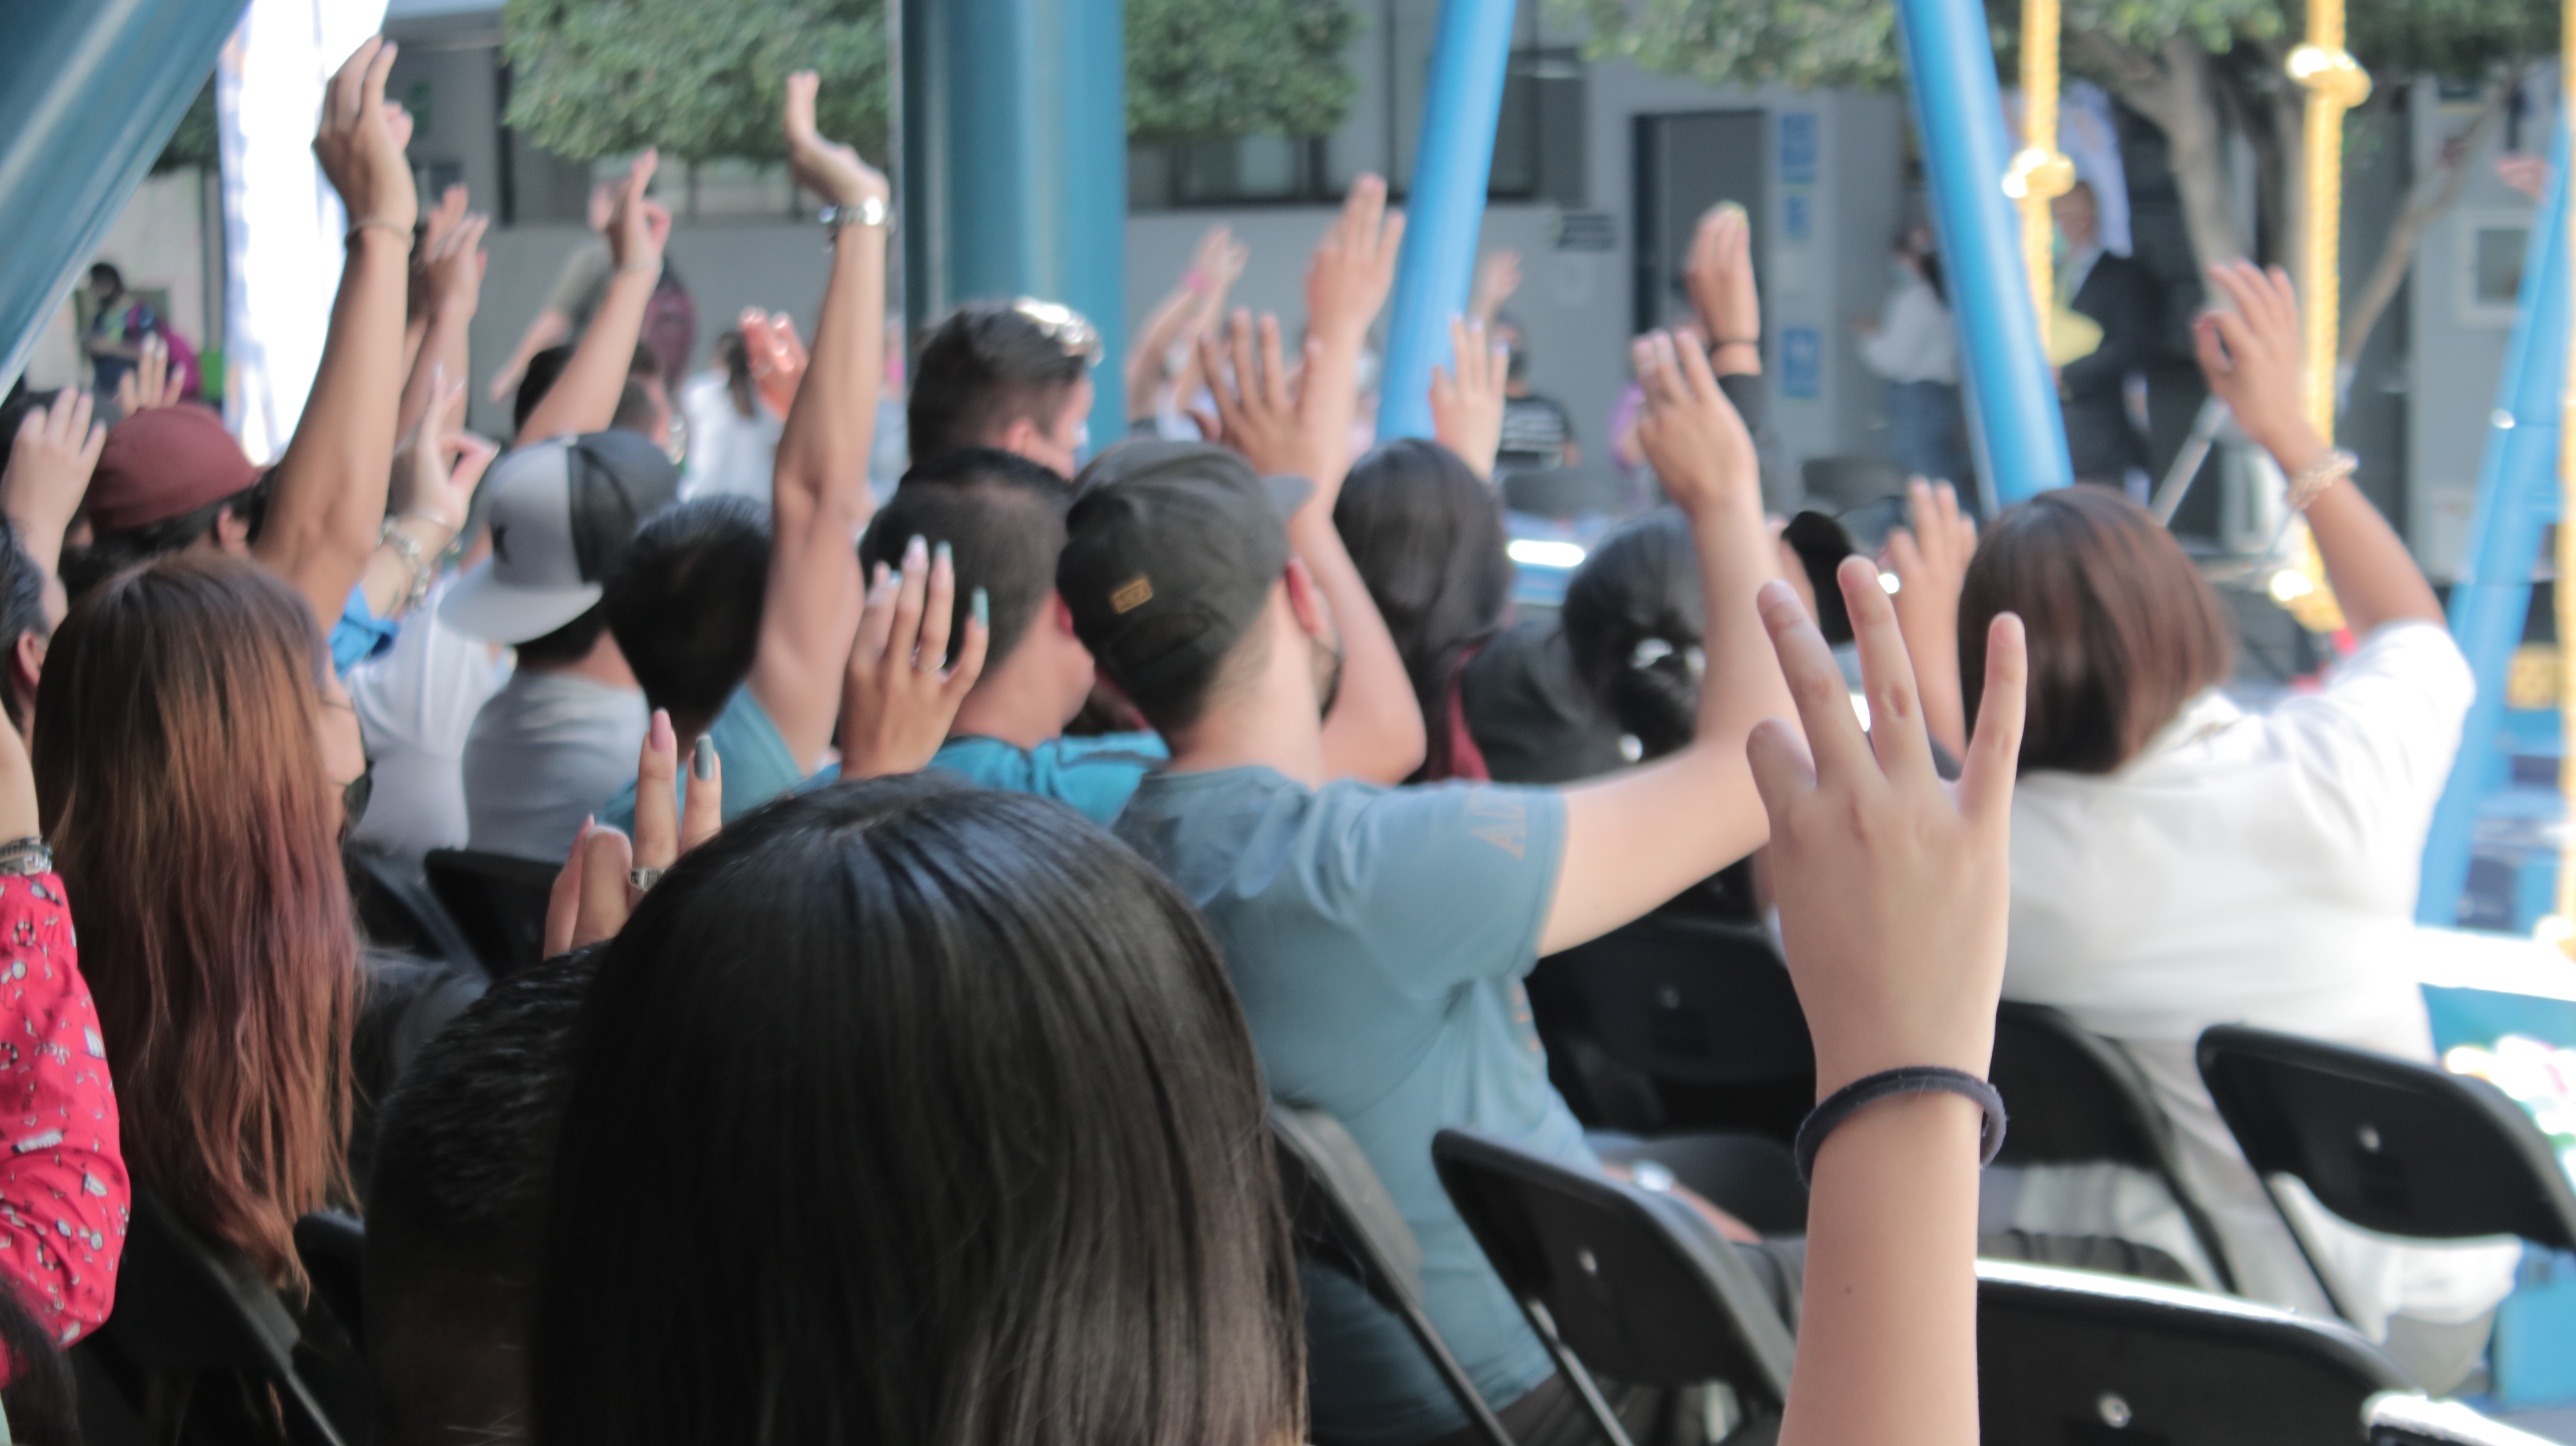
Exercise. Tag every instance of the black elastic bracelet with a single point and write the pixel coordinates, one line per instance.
(1912, 1079)
(1735, 341)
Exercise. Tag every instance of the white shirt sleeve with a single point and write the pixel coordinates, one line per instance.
(2375, 746)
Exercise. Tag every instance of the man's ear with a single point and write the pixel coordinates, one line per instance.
(1305, 599)
(27, 664)
(1060, 613)
(1019, 436)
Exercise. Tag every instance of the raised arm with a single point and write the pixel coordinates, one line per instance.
(327, 494)
(447, 279)
(1719, 276)
(1467, 403)
(1639, 837)
(819, 496)
(584, 398)
(1893, 900)
(1929, 556)
(2252, 359)
(50, 462)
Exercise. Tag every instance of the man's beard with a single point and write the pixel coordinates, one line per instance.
(1328, 674)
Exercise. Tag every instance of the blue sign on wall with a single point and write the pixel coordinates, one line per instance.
(1797, 147)
(1802, 362)
(1798, 215)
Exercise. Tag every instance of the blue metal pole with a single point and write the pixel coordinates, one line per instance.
(1015, 165)
(2013, 419)
(2517, 499)
(1445, 207)
(89, 94)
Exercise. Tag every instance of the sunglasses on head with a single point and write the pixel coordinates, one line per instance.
(1062, 325)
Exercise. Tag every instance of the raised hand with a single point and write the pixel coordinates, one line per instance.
(435, 226)
(1354, 265)
(50, 462)
(898, 699)
(1467, 405)
(1929, 556)
(1719, 276)
(1497, 278)
(638, 226)
(361, 139)
(1258, 413)
(827, 168)
(1690, 432)
(2252, 356)
(451, 265)
(778, 357)
(597, 888)
(437, 467)
(151, 382)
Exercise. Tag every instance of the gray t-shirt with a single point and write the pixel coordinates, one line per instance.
(541, 756)
(1378, 938)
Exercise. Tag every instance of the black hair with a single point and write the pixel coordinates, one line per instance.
(1426, 534)
(959, 1085)
(684, 600)
(109, 553)
(735, 358)
(570, 643)
(982, 368)
(1002, 515)
(1635, 620)
(22, 608)
(465, 1148)
(42, 1394)
(543, 370)
(1508, 330)
(107, 271)
(636, 412)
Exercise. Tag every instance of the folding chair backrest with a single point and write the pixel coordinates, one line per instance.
(2076, 1099)
(2412, 1420)
(398, 912)
(1690, 1000)
(2067, 1356)
(497, 901)
(2388, 1144)
(1627, 1279)
(333, 1248)
(184, 1306)
(1344, 1219)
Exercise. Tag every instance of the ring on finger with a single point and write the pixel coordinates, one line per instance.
(642, 879)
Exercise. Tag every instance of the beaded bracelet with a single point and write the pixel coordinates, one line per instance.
(1912, 1079)
(2313, 479)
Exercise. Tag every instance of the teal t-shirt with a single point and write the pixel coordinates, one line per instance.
(1378, 938)
(757, 765)
(1093, 776)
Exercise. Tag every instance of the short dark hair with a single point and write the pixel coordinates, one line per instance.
(109, 553)
(1002, 515)
(982, 368)
(1426, 534)
(22, 608)
(570, 643)
(465, 1148)
(106, 271)
(968, 1089)
(1633, 614)
(2123, 629)
(637, 411)
(684, 600)
(539, 378)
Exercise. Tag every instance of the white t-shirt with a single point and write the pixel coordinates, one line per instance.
(542, 755)
(2252, 869)
(1915, 341)
(729, 454)
(415, 705)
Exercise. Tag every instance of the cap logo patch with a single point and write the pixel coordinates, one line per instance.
(1133, 596)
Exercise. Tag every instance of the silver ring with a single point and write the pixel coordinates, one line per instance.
(643, 879)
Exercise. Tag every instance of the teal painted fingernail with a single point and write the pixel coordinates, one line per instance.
(702, 759)
(983, 609)
(943, 557)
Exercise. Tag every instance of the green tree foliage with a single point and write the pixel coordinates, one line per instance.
(700, 79)
(1205, 69)
(193, 143)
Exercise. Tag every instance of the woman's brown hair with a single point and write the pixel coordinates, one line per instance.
(2123, 631)
(194, 825)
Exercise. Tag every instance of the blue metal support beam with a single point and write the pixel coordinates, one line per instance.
(1445, 207)
(2517, 500)
(1015, 165)
(89, 93)
(2013, 419)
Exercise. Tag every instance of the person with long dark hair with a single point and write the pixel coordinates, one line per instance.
(1426, 534)
(974, 1138)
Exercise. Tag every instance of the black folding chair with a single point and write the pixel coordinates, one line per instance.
(398, 913)
(2387, 1144)
(184, 1307)
(1617, 1279)
(1675, 1023)
(2413, 1420)
(1344, 1219)
(498, 902)
(333, 1248)
(2068, 1356)
(2078, 1099)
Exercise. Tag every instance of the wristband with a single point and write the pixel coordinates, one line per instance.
(2313, 479)
(1754, 340)
(26, 857)
(1913, 1079)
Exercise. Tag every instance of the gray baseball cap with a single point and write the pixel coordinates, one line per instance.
(562, 512)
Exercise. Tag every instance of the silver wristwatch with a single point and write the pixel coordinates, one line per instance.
(869, 212)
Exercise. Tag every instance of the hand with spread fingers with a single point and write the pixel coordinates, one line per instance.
(1260, 412)
(50, 462)
(437, 466)
(606, 875)
(361, 139)
(1467, 403)
(901, 693)
(2253, 359)
(152, 382)
(1929, 556)
(1497, 278)
(1354, 265)
(1690, 432)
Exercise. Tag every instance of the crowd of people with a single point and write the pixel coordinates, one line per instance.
(950, 878)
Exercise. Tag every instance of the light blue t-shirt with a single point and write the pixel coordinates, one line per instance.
(1378, 938)
(756, 764)
(1093, 776)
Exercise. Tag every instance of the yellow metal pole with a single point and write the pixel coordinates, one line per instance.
(2039, 173)
(2335, 83)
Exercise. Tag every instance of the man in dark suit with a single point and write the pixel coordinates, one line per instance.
(2121, 297)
